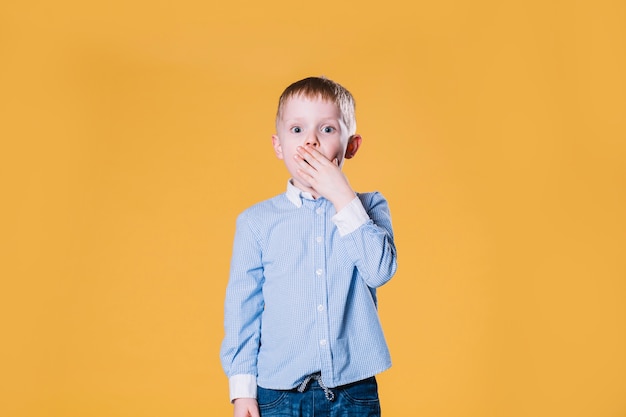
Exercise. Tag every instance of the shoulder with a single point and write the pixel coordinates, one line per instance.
(259, 220)
(276, 203)
(371, 199)
(270, 208)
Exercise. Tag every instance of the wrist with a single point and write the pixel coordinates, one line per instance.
(243, 400)
(343, 199)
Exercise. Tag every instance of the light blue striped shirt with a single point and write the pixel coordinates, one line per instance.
(301, 297)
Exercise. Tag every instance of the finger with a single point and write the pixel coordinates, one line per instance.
(306, 153)
(307, 158)
(304, 164)
(314, 155)
(306, 176)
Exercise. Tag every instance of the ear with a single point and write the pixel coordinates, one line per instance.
(278, 150)
(354, 143)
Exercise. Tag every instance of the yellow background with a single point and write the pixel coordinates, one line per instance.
(133, 133)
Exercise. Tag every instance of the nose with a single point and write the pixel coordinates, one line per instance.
(311, 139)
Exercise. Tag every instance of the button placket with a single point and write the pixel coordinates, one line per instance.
(321, 294)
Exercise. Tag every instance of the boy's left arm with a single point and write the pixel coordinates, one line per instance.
(364, 225)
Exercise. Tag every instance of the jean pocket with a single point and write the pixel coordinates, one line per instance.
(364, 392)
(269, 399)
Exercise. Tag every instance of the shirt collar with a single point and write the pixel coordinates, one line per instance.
(295, 195)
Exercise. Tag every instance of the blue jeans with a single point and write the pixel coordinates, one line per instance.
(359, 399)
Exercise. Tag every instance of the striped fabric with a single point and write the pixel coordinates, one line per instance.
(301, 297)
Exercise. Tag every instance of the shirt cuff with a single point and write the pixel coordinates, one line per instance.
(242, 386)
(351, 217)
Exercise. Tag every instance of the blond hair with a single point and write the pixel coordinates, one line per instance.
(322, 87)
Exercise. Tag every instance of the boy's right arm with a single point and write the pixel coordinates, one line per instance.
(242, 313)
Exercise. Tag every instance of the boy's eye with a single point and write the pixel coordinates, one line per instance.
(296, 129)
(328, 129)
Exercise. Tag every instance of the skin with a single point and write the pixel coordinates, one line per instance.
(246, 407)
(313, 142)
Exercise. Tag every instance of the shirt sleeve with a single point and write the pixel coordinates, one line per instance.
(242, 386)
(351, 217)
(371, 245)
(242, 312)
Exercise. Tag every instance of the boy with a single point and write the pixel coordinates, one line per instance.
(303, 336)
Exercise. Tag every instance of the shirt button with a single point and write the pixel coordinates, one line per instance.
(323, 342)
(318, 239)
(320, 308)
(319, 272)
(319, 210)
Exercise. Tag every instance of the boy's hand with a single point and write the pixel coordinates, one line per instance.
(324, 176)
(246, 407)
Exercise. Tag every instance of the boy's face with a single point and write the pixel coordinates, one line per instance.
(313, 122)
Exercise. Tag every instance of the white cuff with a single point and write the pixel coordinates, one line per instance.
(351, 217)
(242, 386)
